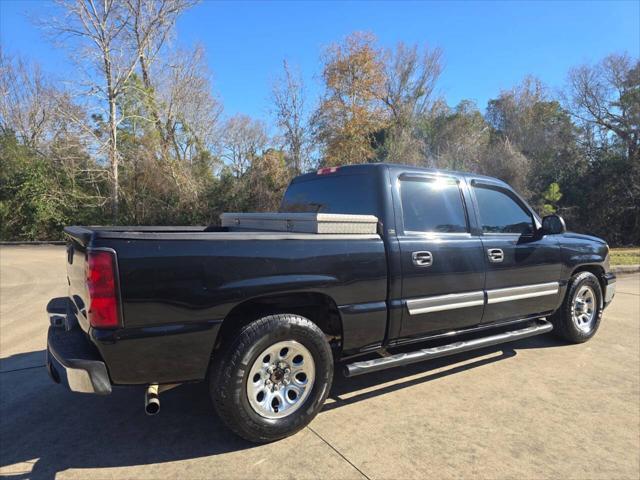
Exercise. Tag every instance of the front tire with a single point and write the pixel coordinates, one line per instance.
(578, 319)
(273, 379)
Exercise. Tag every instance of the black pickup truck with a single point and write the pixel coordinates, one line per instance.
(458, 262)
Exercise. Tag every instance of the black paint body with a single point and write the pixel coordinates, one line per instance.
(178, 285)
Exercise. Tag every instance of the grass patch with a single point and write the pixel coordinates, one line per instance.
(625, 256)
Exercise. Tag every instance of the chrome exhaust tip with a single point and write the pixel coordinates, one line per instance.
(152, 396)
(152, 400)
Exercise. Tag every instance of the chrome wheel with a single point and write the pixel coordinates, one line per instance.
(280, 379)
(583, 311)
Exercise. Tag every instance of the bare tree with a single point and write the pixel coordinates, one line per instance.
(102, 29)
(43, 117)
(242, 140)
(514, 112)
(607, 96)
(410, 79)
(27, 100)
(289, 108)
(188, 111)
(152, 23)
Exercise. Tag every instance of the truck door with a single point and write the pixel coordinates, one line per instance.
(442, 262)
(523, 267)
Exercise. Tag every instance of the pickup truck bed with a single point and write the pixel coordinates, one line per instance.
(179, 284)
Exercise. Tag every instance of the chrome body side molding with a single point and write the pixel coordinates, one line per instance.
(518, 293)
(445, 302)
(417, 306)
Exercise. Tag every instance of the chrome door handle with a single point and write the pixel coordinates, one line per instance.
(422, 259)
(496, 255)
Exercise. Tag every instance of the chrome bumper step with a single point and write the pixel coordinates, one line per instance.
(537, 327)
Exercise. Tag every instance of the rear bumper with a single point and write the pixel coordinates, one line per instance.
(609, 288)
(74, 361)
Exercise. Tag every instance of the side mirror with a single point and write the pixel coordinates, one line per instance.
(553, 225)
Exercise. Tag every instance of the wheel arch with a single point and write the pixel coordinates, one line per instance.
(597, 270)
(318, 307)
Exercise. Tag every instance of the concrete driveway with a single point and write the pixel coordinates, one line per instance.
(531, 409)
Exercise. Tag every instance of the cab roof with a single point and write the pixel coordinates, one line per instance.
(345, 169)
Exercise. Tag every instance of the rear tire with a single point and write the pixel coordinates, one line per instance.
(273, 379)
(578, 319)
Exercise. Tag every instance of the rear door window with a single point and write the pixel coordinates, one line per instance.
(432, 206)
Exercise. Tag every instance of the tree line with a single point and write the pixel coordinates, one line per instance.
(138, 135)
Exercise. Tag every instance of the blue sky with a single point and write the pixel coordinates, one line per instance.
(488, 46)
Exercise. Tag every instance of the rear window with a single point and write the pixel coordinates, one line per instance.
(432, 205)
(350, 194)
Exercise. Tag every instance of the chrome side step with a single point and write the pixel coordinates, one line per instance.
(358, 368)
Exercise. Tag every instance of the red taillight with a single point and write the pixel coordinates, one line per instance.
(327, 170)
(103, 296)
